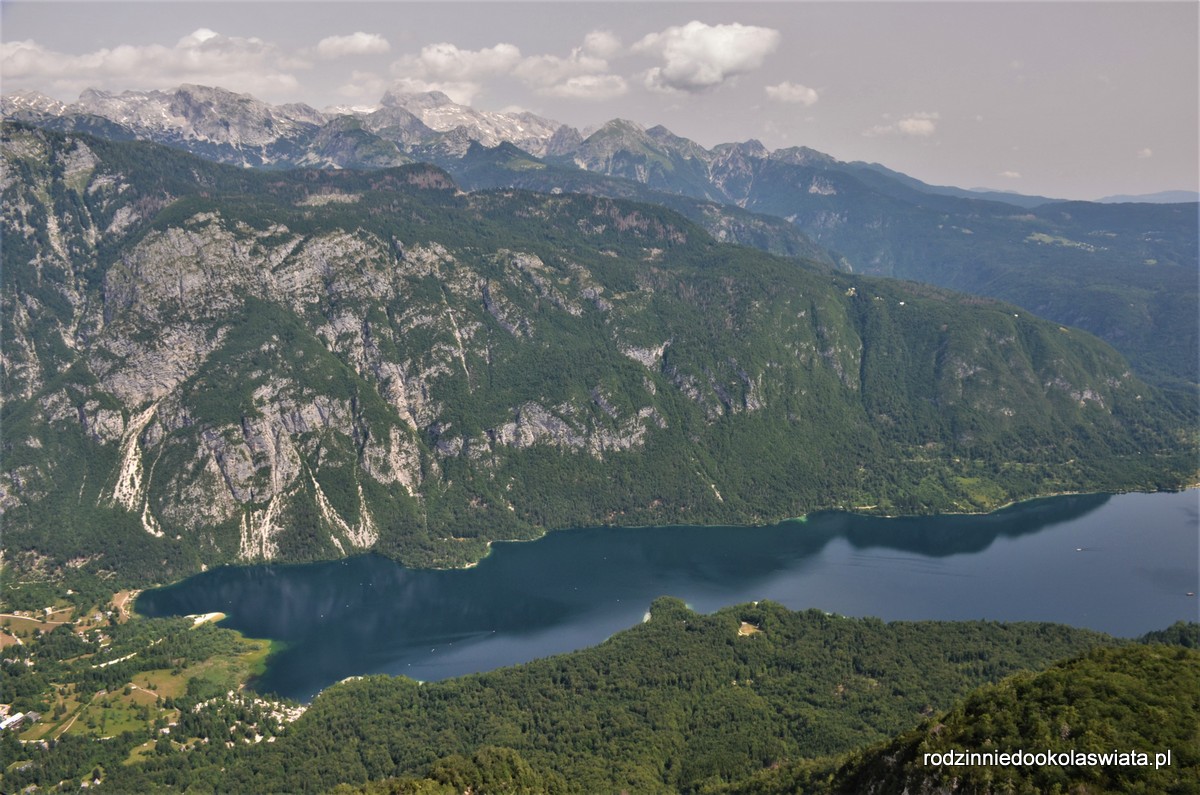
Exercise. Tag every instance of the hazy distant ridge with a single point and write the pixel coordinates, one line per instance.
(1162, 197)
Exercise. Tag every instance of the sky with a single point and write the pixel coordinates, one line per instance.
(1068, 100)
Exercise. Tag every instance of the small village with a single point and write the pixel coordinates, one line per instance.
(147, 685)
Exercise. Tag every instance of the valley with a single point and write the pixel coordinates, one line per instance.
(823, 467)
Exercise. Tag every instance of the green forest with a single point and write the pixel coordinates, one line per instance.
(751, 698)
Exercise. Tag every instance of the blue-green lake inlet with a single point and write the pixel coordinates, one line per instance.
(1121, 564)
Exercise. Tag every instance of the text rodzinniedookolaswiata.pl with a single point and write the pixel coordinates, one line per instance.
(1114, 758)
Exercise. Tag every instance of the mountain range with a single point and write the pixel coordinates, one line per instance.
(205, 363)
(1126, 273)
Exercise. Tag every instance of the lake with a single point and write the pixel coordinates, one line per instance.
(1120, 564)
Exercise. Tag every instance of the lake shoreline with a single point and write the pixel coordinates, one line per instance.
(1119, 564)
(854, 511)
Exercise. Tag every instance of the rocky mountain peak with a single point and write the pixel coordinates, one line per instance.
(211, 93)
(90, 95)
(564, 140)
(302, 112)
(436, 110)
(802, 156)
(618, 127)
(30, 101)
(397, 123)
(750, 148)
(395, 98)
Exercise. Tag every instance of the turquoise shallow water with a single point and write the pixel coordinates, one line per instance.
(1121, 564)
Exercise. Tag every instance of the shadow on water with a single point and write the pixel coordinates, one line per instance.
(940, 536)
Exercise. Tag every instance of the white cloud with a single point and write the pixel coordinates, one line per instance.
(601, 43)
(463, 92)
(203, 56)
(589, 87)
(365, 86)
(199, 36)
(1143, 154)
(581, 75)
(699, 57)
(457, 73)
(918, 125)
(462, 74)
(547, 70)
(792, 92)
(1011, 174)
(446, 62)
(358, 43)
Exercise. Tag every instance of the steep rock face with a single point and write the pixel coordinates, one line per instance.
(238, 366)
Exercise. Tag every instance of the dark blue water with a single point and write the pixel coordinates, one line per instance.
(1120, 564)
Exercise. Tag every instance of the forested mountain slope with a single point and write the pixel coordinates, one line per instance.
(681, 701)
(754, 698)
(1139, 700)
(204, 364)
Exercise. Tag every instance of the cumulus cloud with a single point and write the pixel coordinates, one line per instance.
(698, 57)
(548, 70)
(198, 36)
(457, 73)
(1143, 154)
(203, 56)
(445, 61)
(601, 43)
(581, 75)
(793, 93)
(917, 125)
(358, 43)
(1011, 174)
(368, 86)
(461, 74)
(589, 87)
